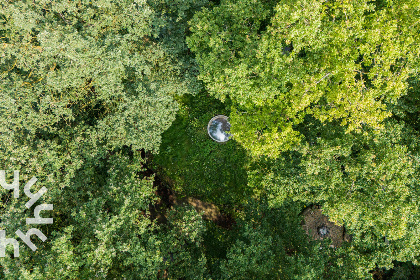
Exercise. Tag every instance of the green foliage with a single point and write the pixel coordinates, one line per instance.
(216, 242)
(309, 86)
(368, 182)
(333, 60)
(197, 165)
(94, 67)
(181, 245)
(98, 230)
(403, 271)
(407, 108)
(271, 244)
(84, 87)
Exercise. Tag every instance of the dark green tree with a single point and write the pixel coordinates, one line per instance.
(366, 182)
(84, 87)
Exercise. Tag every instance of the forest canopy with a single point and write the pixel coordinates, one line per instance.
(280, 61)
(107, 103)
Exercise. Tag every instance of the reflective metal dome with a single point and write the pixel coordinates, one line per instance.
(217, 128)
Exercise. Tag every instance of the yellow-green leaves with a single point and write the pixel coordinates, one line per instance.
(334, 60)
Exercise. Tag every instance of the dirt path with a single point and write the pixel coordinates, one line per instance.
(169, 199)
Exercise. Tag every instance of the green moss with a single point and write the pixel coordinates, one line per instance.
(197, 165)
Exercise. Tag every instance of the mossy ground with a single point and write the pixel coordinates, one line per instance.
(196, 165)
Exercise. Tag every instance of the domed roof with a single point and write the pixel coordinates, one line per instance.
(218, 127)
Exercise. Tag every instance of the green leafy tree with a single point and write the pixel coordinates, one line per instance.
(367, 182)
(86, 85)
(269, 243)
(182, 244)
(279, 61)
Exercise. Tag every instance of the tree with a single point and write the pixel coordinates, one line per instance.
(85, 86)
(279, 62)
(367, 182)
(269, 243)
(182, 246)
